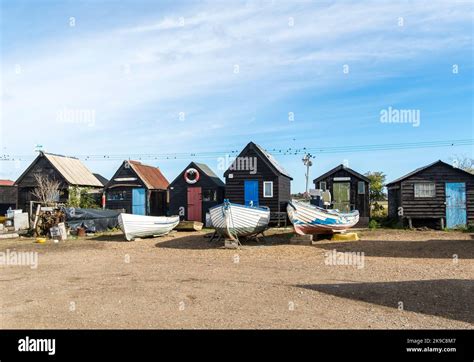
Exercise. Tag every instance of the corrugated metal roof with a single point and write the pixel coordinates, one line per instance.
(73, 170)
(7, 183)
(151, 176)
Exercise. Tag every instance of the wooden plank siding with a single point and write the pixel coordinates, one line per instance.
(358, 201)
(178, 190)
(234, 189)
(402, 193)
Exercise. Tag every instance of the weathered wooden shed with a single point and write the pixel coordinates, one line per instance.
(138, 189)
(196, 189)
(8, 196)
(69, 171)
(349, 190)
(436, 195)
(256, 177)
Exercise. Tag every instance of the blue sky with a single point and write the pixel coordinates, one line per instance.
(191, 77)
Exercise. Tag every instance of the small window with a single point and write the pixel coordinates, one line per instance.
(361, 187)
(116, 195)
(425, 189)
(209, 195)
(322, 185)
(267, 189)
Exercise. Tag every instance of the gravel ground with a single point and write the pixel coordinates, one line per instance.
(408, 279)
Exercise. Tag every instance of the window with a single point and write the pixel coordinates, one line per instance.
(209, 195)
(322, 185)
(425, 189)
(361, 187)
(267, 189)
(116, 195)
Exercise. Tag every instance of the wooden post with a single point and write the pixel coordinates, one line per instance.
(442, 224)
(410, 224)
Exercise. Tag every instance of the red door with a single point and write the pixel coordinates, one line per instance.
(194, 204)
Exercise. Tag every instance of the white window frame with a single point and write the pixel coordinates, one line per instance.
(424, 190)
(359, 183)
(321, 183)
(264, 194)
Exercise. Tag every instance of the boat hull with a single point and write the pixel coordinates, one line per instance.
(233, 220)
(309, 219)
(138, 226)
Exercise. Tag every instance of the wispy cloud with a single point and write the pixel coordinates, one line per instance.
(201, 61)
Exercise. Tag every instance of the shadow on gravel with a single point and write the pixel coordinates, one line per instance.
(448, 298)
(437, 249)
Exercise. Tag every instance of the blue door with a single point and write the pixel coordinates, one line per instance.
(138, 201)
(251, 192)
(455, 204)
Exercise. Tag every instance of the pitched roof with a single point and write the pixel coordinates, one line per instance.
(424, 168)
(207, 170)
(71, 168)
(101, 178)
(7, 183)
(338, 168)
(272, 162)
(150, 175)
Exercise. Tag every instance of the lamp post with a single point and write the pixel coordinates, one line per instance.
(308, 163)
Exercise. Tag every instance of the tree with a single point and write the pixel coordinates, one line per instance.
(463, 162)
(46, 190)
(376, 190)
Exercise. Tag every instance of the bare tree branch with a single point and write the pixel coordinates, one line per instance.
(47, 189)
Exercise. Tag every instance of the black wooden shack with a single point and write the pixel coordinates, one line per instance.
(68, 171)
(194, 191)
(8, 196)
(436, 195)
(137, 189)
(349, 190)
(255, 177)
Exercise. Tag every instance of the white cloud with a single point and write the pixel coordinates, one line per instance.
(144, 75)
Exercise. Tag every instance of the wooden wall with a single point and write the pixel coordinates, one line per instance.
(28, 183)
(8, 198)
(234, 189)
(178, 190)
(432, 207)
(435, 207)
(358, 201)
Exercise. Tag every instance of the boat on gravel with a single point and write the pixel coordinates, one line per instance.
(234, 220)
(311, 219)
(138, 226)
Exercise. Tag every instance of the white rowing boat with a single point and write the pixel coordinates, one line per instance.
(137, 226)
(311, 219)
(234, 220)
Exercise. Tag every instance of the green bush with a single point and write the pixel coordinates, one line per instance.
(373, 224)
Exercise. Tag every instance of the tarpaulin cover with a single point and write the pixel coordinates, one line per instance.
(91, 219)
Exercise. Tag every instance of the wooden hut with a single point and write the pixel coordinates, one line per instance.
(8, 196)
(70, 172)
(194, 191)
(255, 177)
(349, 190)
(436, 195)
(137, 189)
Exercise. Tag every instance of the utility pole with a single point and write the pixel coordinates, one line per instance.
(308, 163)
